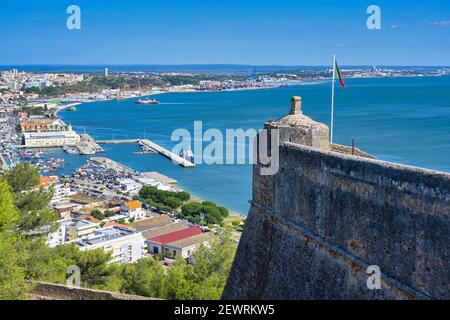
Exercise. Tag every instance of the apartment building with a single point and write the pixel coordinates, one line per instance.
(125, 245)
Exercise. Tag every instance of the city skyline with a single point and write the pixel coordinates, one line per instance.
(262, 33)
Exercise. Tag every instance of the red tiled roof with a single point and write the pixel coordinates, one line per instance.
(176, 235)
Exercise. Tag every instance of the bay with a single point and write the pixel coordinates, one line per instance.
(404, 120)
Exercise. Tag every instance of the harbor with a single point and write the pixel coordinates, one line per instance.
(230, 185)
(118, 127)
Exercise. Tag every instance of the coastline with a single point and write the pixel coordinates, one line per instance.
(373, 147)
(183, 90)
(194, 197)
(266, 86)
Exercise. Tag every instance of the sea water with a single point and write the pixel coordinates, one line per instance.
(404, 120)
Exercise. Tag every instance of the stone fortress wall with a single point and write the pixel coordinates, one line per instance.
(330, 212)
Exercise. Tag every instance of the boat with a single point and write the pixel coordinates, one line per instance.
(72, 109)
(187, 155)
(147, 101)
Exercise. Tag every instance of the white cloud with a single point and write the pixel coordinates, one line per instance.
(442, 23)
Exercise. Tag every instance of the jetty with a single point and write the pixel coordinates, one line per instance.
(156, 147)
(117, 141)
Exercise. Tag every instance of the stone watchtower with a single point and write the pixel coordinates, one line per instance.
(298, 128)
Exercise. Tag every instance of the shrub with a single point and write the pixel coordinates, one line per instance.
(97, 214)
(235, 222)
(109, 214)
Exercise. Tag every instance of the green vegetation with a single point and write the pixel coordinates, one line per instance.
(97, 83)
(109, 214)
(97, 214)
(192, 211)
(162, 200)
(24, 255)
(23, 177)
(203, 279)
(234, 222)
(211, 213)
(35, 213)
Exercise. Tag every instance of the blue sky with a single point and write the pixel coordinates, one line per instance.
(260, 32)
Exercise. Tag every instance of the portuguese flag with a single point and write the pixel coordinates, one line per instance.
(339, 74)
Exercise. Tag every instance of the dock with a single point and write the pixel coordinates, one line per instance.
(153, 146)
(169, 154)
(117, 141)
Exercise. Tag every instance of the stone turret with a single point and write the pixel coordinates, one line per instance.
(296, 105)
(298, 128)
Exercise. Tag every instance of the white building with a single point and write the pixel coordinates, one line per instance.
(80, 229)
(61, 192)
(130, 186)
(154, 183)
(45, 132)
(60, 236)
(133, 210)
(126, 246)
(50, 139)
(186, 247)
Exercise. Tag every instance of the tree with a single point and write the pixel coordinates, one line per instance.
(12, 258)
(13, 284)
(183, 195)
(44, 263)
(212, 214)
(94, 267)
(172, 202)
(22, 177)
(35, 212)
(191, 208)
(144, 278)
(223, 211)
(176, 285)
(8, 212)
(211, 266)
(97, 214)
(147, 191)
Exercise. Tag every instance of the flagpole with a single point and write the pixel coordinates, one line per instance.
(332, 98)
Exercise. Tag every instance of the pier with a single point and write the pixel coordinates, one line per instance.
(117, 141)
(156, 147)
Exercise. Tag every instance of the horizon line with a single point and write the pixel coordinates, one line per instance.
(213, 64)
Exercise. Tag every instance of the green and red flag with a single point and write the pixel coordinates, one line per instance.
(339, 74)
